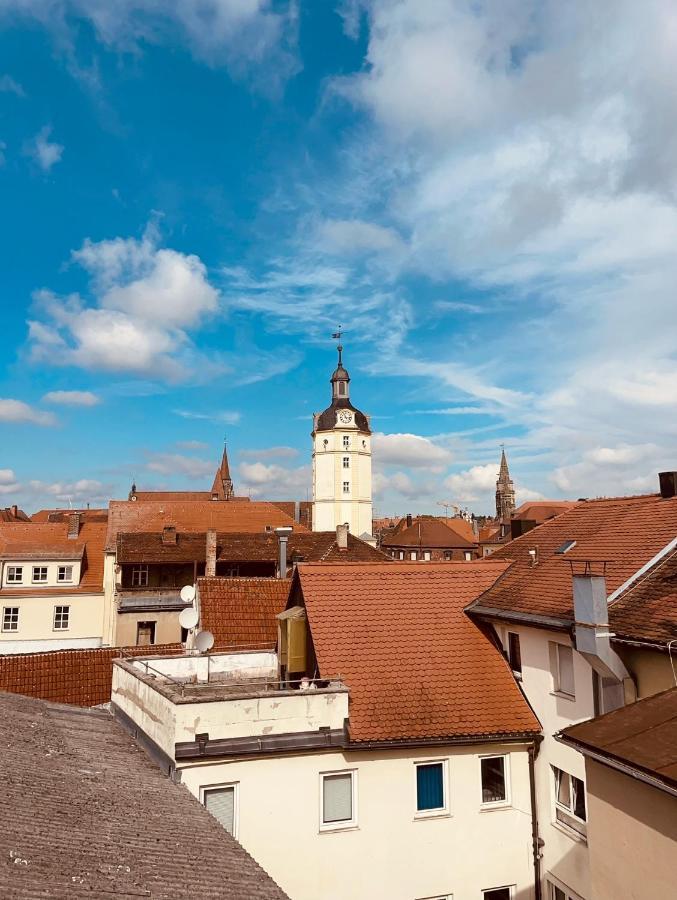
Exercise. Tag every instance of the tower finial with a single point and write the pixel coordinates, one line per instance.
(337, 335)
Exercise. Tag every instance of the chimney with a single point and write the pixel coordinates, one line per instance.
(342, 537)
(592, 638)
(408, 520)
(169, 534)
(73, 526)
(15, 511)
(210, 557)
(282, 533)
(668, 484)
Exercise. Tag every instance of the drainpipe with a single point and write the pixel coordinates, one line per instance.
(535, 839)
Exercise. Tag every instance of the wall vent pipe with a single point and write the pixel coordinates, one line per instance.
(210, 555)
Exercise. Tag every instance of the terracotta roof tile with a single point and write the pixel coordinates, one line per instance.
(79, 677)
(417, 667)
(12, 514)
(87, 814)
(241, 611)
(647, 609)
(625, 532)
(426, 531)
(193, 515)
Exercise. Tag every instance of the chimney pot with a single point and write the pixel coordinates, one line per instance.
(342, 536)
(15, 511)
(409, 520)
(210, 556)
(668, 484)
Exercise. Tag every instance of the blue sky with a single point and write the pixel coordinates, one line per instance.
(195, 195)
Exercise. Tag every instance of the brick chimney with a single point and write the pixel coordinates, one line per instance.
(668, 484)
(169, 534)
(409, 520)
(210, 559)
(73, 526)
(15, 511)
(342, 537)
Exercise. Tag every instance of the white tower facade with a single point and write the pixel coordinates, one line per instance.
(342, 462)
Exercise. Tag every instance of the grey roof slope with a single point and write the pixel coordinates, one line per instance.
(86, 813)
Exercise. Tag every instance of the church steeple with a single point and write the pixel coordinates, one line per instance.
(223, 484)
(505, 492)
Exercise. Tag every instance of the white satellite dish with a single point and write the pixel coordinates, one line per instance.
(204, 641)
(188, 593)
(188, 617)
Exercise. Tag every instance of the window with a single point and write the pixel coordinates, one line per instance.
(447, 555)
(346, 441)
(431, 788)
(139, 576)
(426, 555)
(502, 893)
(65, 573)
(346, 487)
(494, 779)
(145, 634)
(10, 618)
(555, 892)
(341, 387)
(337, 797)
(39, 574)
(15, 574)
(569, 801)
(346, 462)
(467, 555)
(61, 617)
(562, 665)
(514, 653)
(412, 554)
(401, 554)
(221, 802)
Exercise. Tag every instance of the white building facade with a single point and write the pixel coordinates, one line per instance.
(342, 485)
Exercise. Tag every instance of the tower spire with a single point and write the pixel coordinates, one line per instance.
(223, 483)
(505, 492)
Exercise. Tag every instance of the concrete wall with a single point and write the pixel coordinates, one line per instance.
(632, 835)
(36, 622)
(236, 666)
(389, 853)
(148, 708)
(167, 628)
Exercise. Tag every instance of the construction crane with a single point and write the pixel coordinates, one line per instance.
(448, 506)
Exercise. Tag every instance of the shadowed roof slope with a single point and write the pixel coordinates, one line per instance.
(539, 511)
(624, 532)
(647, 608)
(241, 611)
(193, 515)
(417, 667)
(87, 814)
(642, 735)
(427, 531)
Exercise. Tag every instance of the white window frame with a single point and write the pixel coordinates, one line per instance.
(467, 555)
(499, 887)
(346, 442)
(12, 570)
(10, 629)
(346, 487)
(65, 569)
(401, 552)
(66, 607)
(556, 667)
(440, 811)
(553, 883)
(516, 672)
(413, 554)
(438, 897)
(578, 827)
(427, 555)
(205, 788)
(345, 824)
(35, 569)
(346, 462)
(139, 569)
(497, 804)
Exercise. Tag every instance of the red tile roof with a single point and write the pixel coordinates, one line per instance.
(427, 531)
(12, 514)
(540, 511)
(240, 612)
(417, 667)
(63, 515)
(195, 516)
(624, 532)
(50, 541)
(647, 608)
(85, 813)
(79, 677)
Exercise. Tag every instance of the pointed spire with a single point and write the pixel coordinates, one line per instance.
(505, 491)
(223, 484)
(503, 473)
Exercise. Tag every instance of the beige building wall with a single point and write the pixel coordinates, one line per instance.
(390, 852)
(650, 669)
(632, 835)
(36, 630)
(331, 507)
(167, 628)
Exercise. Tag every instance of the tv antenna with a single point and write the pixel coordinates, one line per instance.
(447, 506)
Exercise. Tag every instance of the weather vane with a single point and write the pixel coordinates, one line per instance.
(337, 335)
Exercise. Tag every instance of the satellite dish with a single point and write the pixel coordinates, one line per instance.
(188, 617)
(188, 593)
(204, 641)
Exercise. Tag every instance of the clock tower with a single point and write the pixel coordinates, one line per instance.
(342, 461)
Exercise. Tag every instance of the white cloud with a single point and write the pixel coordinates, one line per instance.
(224, 416)
(72, 398)
(354, 236)
(410, 450)
(192, 445)
(45, 153)
(8, 482)
(9, 86)
(274, 482)
(145, 298)
(178, 464)
(270, 453)
(84, 490)
(18, 411)
(474, 484)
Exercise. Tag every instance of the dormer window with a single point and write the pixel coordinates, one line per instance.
(39, 574)
(15, 574)
(65, 574)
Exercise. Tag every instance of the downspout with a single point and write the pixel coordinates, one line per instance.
(535, 839)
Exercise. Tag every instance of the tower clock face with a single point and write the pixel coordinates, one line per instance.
(345, 416)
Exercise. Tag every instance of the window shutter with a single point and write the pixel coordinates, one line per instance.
(337, 798)
(221, 804)
(566, 669)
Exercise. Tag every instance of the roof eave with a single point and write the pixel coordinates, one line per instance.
(458, 740)
(554, 623)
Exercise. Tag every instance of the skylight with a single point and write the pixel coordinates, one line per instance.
(566, 546)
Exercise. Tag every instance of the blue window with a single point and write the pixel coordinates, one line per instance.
(430, 786)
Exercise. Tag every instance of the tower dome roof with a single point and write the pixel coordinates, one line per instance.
(340, 391)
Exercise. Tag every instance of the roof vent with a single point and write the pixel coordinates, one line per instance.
(169, 534)
(668, 484)
(533, 556)
(565, 547)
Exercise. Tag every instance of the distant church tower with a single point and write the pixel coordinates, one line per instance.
(223, 483)
(505, 493)
(342, 461)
